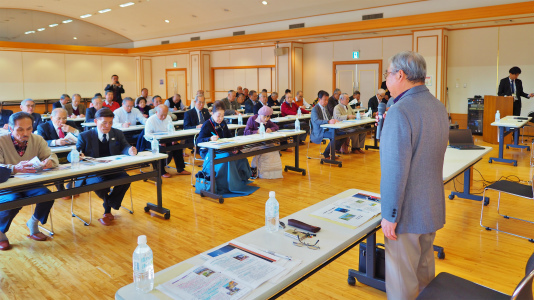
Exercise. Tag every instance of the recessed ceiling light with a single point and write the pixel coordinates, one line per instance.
(193, 16)
(40, 29)
(85, 16)
(75, 38)
(262, 43)
(167, 21)
(127, 4)
(226, 9)
(230, 46)
(300, 40)
(66, 21)
(28, 32)
(104, 10)
(264, 2)
(53, 25)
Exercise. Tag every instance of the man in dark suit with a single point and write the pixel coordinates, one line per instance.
(512, 86)
(249, 103)
(333, 101)
(91, 111)
(273, 100)
(321, 116)
(375, 100)
(4, 117)
(28, 106)
(63, 100)
(412, 149)
(55, 130)
(261, 103)
(105, 141)
(194, 118)
(116, 88)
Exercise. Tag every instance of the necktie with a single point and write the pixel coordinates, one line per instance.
(325, 115)
(513, 87)
(200, 118)
(104, 139)
(60, 133)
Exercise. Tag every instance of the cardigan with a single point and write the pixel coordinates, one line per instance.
(253, 126)
(37, 146)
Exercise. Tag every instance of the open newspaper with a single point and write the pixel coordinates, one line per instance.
(230, 275)
(350, 212)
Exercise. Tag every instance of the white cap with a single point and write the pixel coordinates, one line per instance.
(271, 194)
(141, 240)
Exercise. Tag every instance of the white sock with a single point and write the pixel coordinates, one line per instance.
(33, 225)
(3, 236)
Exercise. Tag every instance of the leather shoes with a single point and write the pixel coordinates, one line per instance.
(302, 143)
(109, 216)
(184, 172)
(288, 150)
(66, 197)
(185, 155)
(361, 151)
(39, 236)
(166, 175)
(105, 221)
(4, 245)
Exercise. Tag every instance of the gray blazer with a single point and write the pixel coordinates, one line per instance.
(230, 106)
(341, 112)
(412, 148)
(316, 133)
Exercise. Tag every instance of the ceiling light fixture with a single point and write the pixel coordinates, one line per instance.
(167, 21)
(300, 40)
(264, 2)
(66, 21)
(127, 4)
(85, 16)
(53, 25)
(28, 32)
(75, 38)
(262, 43)
(41, 29)
(104, 10)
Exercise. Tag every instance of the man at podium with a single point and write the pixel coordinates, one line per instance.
(512, 86)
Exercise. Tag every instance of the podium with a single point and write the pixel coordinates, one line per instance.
(492, 104)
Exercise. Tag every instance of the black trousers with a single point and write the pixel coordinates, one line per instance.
(178, 157)
(114, 198)
(517, 108)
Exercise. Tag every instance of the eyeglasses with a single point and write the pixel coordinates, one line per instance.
(310, 246)
(386, 74)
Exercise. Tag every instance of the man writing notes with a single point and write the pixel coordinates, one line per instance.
(343, 112)
(321, 116)
(127, 115)
(91, 111)
(412, 149)
(231, 104)
(512, 86)
(56, 130)
(16, 149)
(105, 141)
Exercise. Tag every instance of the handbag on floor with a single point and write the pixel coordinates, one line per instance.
(202, 182)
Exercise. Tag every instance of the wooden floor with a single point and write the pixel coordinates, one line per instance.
(94, 262)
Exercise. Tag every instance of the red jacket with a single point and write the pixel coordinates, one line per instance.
(292, 109)
(114, 105)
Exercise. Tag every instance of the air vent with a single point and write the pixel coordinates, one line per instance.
(164, 42)
(239, 33)
(299, 25)
(195, 38)
(372, 17)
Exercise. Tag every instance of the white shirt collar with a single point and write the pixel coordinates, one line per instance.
(101, 135)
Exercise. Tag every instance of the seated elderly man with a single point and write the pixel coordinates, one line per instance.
(342, 112)
(159, 123)
(77, 109)
(251, 102)
(28, 106)
(261, 103)
(175, 103)
(231, 104)
(194, 118)
(18, 148)
(127, 115)
(273, 100)
(4, 117)
(319, 116)
(56, 130)
(102, 141)
(376, 99)
(91, 111)
(63, 101)
(157, 102)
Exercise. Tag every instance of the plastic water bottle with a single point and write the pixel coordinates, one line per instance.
(143, 266)
(358, 115)
(297, 125)
(170, 127)
(497, 116)
(74, 159)
(370, 113)
(154, 145)
(299, 113)
(271, 213)
(262, 130)
(239, 119)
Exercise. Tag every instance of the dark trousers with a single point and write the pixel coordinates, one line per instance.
(517, 108)
(303, 126)
(178, 157)
(41, 210)
(338, 143)
(113, 199)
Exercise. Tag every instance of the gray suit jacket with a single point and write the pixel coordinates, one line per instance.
(412, 148)
(317, 119)
(230, 106)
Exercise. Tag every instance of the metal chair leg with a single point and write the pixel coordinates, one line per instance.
(90, 211)
(51, 230)
(131, 210)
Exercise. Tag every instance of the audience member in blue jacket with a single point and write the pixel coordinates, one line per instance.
(194, 118)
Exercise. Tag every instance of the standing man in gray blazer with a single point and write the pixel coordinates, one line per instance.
(412, 149)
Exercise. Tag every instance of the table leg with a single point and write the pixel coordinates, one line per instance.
(516, 141)
(332, 159)
(501, 149)
(466, 194)
(212, 193)
(375, 146)
(369, 277)
(159, 207)
(296, 167)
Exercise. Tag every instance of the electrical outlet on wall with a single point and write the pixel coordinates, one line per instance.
(465, 85)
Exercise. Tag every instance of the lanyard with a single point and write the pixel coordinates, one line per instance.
(214, 129)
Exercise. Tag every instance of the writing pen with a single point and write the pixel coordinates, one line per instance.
(278, 255)
(213, 134)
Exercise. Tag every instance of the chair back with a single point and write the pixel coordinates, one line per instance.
(523, 291)
(142, 144)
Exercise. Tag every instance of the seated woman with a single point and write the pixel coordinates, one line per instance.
(140, 104)
(231, 178)
(267, 165)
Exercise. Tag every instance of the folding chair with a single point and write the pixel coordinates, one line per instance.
(324, 140)
(512, 188)
(195, 159)
(448, 286)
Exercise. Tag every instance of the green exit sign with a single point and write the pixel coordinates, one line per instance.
(174, 64)
(356, 54)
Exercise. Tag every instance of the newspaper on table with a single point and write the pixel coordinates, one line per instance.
(350, 212)
(230, 275)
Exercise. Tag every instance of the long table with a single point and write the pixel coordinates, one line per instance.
(507, 125)
(139, 127)
(232, 119)
(344, 125)
(456, 162)
(268, 146)
(25, 182)
(335, 240)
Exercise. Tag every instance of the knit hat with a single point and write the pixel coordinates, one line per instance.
(265, 111)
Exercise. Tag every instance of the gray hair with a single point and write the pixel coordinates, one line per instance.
(199, 96)
(76, 95)
(128, 99)
(94, 98)
(298, 92)
(344, 96)
(159, 108)
(381, 92)
(57, 111)
(231, 92)
(411, 63)
(23, 102)
(263, 95)
(64, 96)
(337, 91)
(18, 116)
(274, 93)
